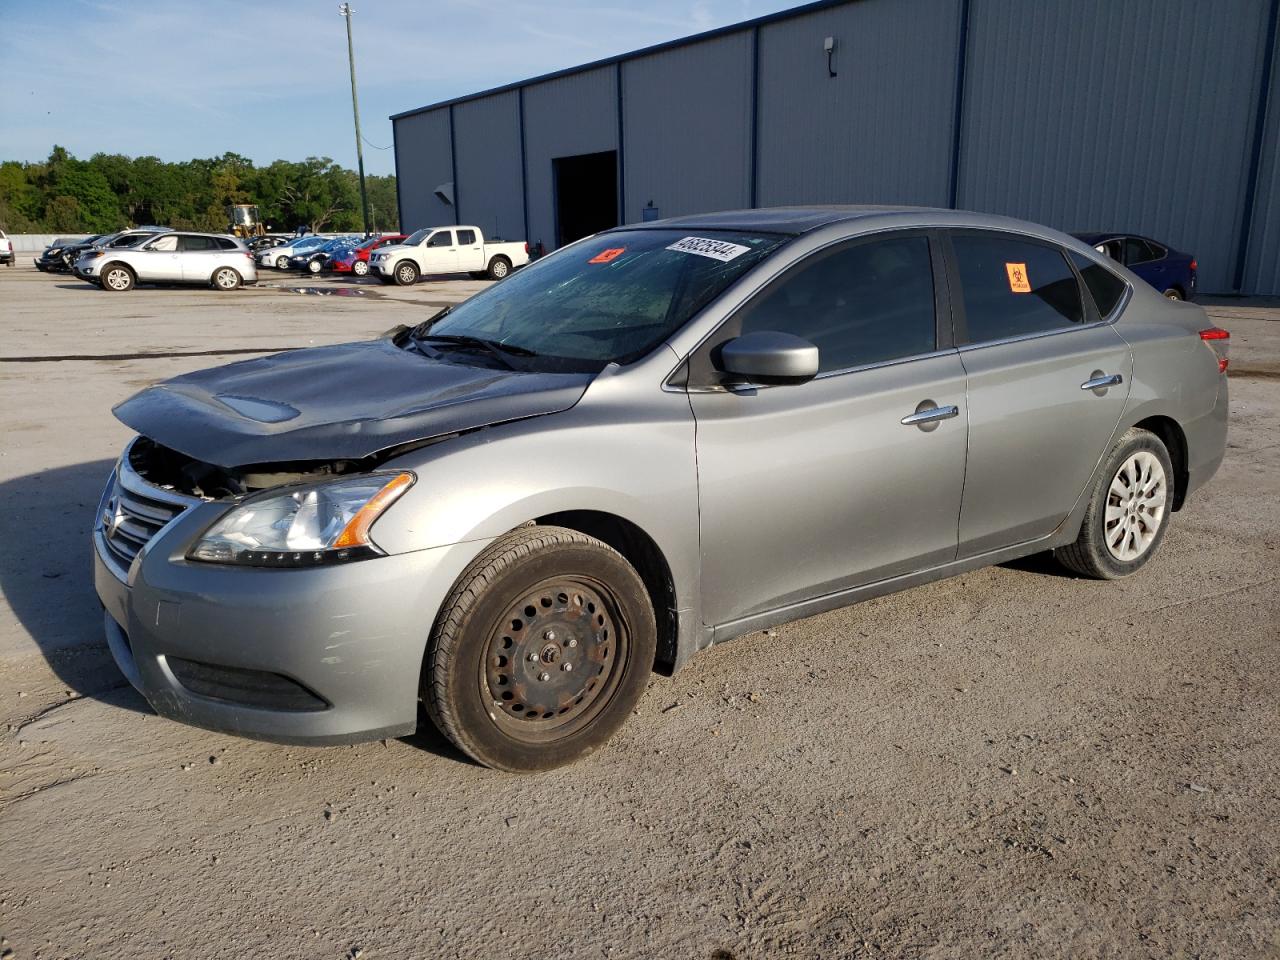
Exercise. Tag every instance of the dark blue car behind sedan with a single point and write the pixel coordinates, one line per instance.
(1169, 271)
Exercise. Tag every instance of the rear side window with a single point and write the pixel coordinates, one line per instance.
(466, 237)
(1013, 287)
(1137, 250)
(225, 243)
(194, 244)
(1104, 286)
(860, 303)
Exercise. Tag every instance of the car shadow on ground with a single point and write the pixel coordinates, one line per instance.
(1042, 564)
(46, 576)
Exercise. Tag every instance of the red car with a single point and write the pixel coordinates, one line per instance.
(356, 260)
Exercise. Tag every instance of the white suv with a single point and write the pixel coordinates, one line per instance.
(220, 261)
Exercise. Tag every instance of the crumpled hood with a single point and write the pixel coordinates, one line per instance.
(335, 403)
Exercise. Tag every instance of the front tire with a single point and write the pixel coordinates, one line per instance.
(117, 278)
(541, 650)
(1128, 510)
(282, 263)
(313, 266)
(406, 273)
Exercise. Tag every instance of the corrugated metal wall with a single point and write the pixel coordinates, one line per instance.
(880, 130)
(488, 183)
(423, 162)
(564, 117)
(1097, 115)
(687, 128)
(1262, 264)
(1082, 114)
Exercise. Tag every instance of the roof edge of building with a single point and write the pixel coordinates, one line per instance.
(726, 30)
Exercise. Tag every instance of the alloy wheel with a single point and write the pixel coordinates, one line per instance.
(1136, 506)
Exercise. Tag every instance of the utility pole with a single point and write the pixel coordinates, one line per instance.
(346, 11)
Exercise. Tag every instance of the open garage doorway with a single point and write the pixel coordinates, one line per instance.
(586, 188)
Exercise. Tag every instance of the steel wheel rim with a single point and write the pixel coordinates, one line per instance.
(117, 279)
(1136, 503)
(569, 631)
(282, 262)
(225, 279)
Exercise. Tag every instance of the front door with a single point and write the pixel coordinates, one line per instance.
(440, 253)
(1047, 383)
(809, 489)
(161, 262)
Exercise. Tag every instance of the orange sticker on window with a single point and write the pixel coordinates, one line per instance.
(604, 256)
(1018, 281)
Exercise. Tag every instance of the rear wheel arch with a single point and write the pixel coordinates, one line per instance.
(1172, 436)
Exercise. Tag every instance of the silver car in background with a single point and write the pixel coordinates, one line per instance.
(646, 443)
(212, 259)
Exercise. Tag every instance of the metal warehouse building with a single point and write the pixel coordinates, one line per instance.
(1158, 117)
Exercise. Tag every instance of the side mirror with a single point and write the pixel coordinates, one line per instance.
(768, 356)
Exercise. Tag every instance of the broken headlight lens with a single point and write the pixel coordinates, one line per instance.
(303, 526)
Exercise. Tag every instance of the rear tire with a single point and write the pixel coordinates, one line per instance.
(1128, 510)
(360, 268)
(117, 278)
(499, 268)
(1173, 293)
(226, 278)
(540, 651)
(406, 273)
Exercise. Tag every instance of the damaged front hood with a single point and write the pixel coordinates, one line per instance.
(335, 403)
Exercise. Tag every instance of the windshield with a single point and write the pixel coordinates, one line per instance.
(611, 298)
(418, 236)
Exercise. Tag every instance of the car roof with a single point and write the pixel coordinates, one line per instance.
(798, 220)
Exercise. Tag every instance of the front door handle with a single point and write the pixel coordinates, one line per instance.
(929, 415)
(1101, 382)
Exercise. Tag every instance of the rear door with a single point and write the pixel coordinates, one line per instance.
(471, 255)
(199, 258)
(809, 489)
(1047, 382)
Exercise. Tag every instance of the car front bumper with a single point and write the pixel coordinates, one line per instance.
(321, 655)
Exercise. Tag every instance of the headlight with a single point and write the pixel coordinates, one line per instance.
(303, 526)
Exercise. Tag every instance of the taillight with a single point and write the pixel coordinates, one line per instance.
(1193, 265)
(526, 246)
(1217, 340)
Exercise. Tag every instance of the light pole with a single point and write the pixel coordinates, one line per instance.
(346, 11)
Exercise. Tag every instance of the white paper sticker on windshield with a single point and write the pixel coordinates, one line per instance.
(715, 249)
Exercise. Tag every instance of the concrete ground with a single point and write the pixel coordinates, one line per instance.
(1012, 763)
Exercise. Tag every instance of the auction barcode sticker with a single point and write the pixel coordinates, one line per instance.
(715, 249)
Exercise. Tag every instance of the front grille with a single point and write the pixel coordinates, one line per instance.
(133, 511)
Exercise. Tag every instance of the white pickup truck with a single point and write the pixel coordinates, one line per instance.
(458, 249)
(6, 249)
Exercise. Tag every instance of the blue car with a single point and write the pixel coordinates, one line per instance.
(1169, 271)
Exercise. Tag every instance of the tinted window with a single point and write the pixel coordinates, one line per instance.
(466, 237)
(226, 243)
(1136, 250)
(165, 244)
(1104, 286)
(193, 244)
(1013, 287)
(859, 303)
(442, 239)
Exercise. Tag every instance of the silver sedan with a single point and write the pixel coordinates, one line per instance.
(651, 441)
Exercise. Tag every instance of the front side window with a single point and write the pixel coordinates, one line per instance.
(612, 298)
(1013, 287)
(859, 303)
(165, 244)
(443, 238)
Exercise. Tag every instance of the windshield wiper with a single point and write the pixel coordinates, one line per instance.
(502, 352)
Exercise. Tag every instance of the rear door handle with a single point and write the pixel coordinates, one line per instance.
(1100, 383)
(929, 415)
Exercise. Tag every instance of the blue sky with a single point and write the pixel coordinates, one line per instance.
(268, 79)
